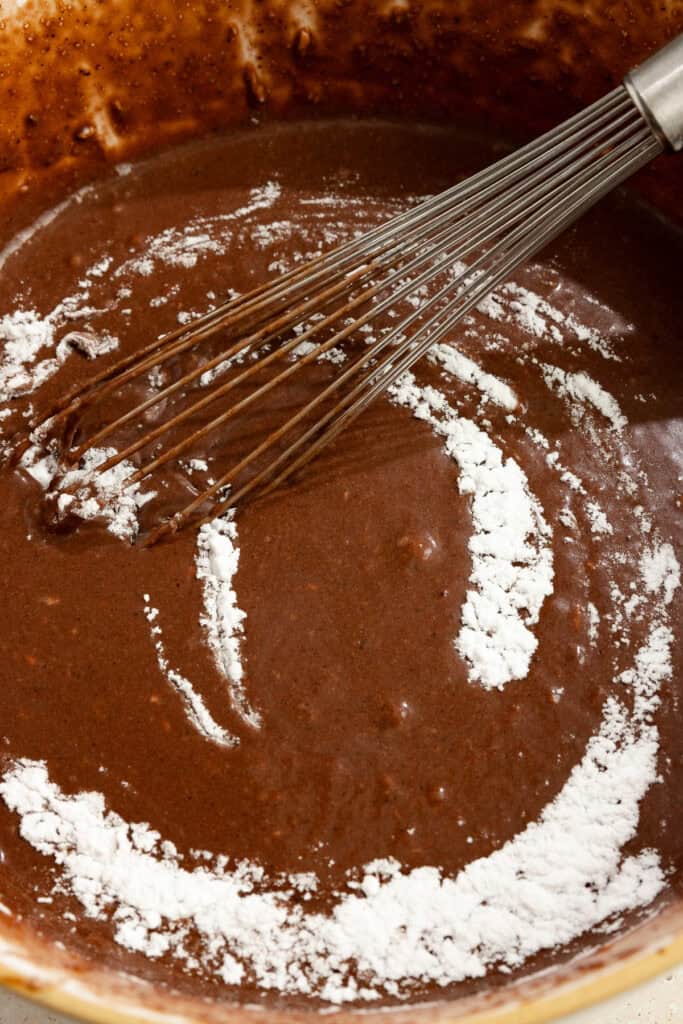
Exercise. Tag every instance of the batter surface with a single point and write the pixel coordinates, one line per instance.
(409, 726)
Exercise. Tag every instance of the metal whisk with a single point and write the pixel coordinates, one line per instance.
(476, 233)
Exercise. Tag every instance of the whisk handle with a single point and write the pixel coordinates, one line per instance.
(656, 87)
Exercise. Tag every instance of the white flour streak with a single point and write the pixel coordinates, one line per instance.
(260, 198)
(41, 465)
(541, 320)
(597, 518)
(88, 493)
(175, 248)
(651, 668)
(660, 570)
(265, 235)
(558, 878)
(553, 460)
(25, 336)
(512, 564)
(583, 390)
(466, 370)
(593, 623)
(223, 620)
(94, 494)
(333, 355)
(197, 710)
(182, 247)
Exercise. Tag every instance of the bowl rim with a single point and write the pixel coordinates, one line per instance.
(91, 995)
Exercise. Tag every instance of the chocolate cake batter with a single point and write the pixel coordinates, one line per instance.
(373, 741)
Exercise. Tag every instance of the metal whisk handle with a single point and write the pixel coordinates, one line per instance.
(656, 87)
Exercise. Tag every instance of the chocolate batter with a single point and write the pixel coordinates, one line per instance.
(373, 741)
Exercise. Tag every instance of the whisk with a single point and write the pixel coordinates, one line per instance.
(475, 234)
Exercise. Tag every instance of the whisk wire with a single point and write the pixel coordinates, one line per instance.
(513, 167)
(442, 256)
(614, 166)
(527, 200)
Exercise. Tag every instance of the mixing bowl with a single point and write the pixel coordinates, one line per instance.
(86, 83)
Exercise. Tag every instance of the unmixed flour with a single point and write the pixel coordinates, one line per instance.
(26, 335)
(585, 391)
(541, 320)
(34, 347)
(390, 929)
(89, 493)
(512, 563)
(196, 709)
(223, 620)
(555, 880)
